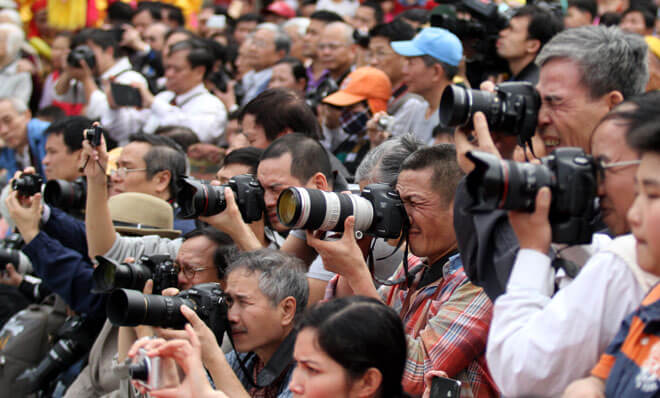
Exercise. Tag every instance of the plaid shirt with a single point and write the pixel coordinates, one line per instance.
(446, 324)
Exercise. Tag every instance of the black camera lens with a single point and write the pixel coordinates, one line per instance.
(197, 198)
(458, 105)
(110, 275)
(131, 308)
(27, 184)
(139, 370)
(8, 256)
(66, 195)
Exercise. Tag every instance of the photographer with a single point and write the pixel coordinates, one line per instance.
(568, 331)
(580, 81)
(430, 295)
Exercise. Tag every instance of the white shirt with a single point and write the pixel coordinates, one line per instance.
(120, 123)
(345, 8)
(538, 343)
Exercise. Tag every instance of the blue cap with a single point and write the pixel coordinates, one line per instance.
(439, 43)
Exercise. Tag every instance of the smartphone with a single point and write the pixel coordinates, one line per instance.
(126, 95)
(443, 387)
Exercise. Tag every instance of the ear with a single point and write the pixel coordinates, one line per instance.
(287, 310)
(369, 384)
(318, 181)
(162, 180)
(201, 70)
(438, 72)
(613, 98)
(533, 46)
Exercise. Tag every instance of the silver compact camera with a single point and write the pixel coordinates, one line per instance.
(385, 122)
(151, 372)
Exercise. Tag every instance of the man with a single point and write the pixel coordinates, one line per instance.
(575, 97)
(432, 61)
(638, 20)
(268, 45)
(532, 326)
(433, 300)
(296, 29)
(23, 137)
(237, 162)
(580, 13)
(367, 15)
(110, 67)
(336, 50)
(245, 25)
(64, 148)
(146, 15)
(148, 46)
(519, 43)
(186, 102)
(316, 70)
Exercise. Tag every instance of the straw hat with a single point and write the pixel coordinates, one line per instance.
(141, 214)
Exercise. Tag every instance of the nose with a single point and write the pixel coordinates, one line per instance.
(634, 216)
(183, 281)
(270, 199)
(544, 115)
(295, 385)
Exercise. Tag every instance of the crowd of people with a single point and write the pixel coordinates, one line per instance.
(332, 198)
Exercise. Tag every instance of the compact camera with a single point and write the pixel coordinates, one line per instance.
(152, 372)
(93, 135)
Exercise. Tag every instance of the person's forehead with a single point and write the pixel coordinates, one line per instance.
(242, 282)
(379, 41)
(7, 109)
(134, 152)
(55, 139)
(609, 138)
(276, 171)
(333, 33)
(264, 34)
(195, 249)
(415, 181)
(365, 11)
(560, 75)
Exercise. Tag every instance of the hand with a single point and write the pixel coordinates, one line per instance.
(145, 330)
(26, 215)
(131, 38)
(209, 152)
(590, 387)
(228, 220)
(483, 142)
(82, 73)
(10, 277)
(145, 94)
(228, 97)
(94, 160)
(533, 229)
(428, 380)
(376, 135)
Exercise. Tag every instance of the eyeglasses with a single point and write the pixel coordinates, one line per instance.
(122, 171)
(189, 272)
(604, 165)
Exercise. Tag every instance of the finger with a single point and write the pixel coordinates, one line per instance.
(229, 197)
(192, 337)
(487, 85)
(148, 287)
(36, 201)
(483, 134)
(192, 317)
(166, 393)
(349, 232)
(10, 270)
(170, 291)
(171, 334)
(543, 200)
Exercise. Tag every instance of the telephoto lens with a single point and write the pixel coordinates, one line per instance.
(66, 195)
(110, 275)
(379, 211)
(512, 109)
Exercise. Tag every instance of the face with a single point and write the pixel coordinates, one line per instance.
(334, 51)
(59, 163)
(382, 56)
(256, 324)
(172, 40)
(296, 49)
(142, 21)
(13, 126)
(275, 176)
(154, 36)
(104, 58)
(196, 256)
(512, 43)
(415, 74)
(243, 29)
(255, 134)
(283, 77)
(262, 49)
(180, 76)
(644, 215)
(365, 18)
(568, 114)
(431, 218)
(575, 18)
(132, 157)
(633, 22)
(312, 37)
(59, 51)
(316, 375)
(231, 170)
(615, 191)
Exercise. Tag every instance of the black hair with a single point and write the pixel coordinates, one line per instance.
(610, 19)
(248, 18)
(297, 69)
(397, 30)
(164, 154)
(51, 113)
(174, 14)
(182, 135)
(225, 250)
(360, 333)
(71, 129)
(418, 15)
(649, 19)
(543, 24)
(218, 51)
(277, 109)
(442, 160)
(199, 54)
(152, 7)
(376, 7)
(104, 39)
(590, 6)
(308, 156)
(120, 12)
(248, 156)
(81, 37)
(326, 16)
(449, 70)
(185, 31)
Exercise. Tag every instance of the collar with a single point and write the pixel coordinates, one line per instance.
(118, 68)
(399, 91)
(529, 71)
(442, 268)
(183, 98)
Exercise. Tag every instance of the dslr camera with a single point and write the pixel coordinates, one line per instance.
(81, 53)
(27, 184)
(512, 109)
(109, 275)
(378, 210)
(10, 252)
(570, 174)
(131, 308)
(198, 198)
(66, 195)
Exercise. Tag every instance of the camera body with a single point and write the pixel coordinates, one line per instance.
(148, 371)
(10, 252)
(568, 172)
(131, 308)
(65, 195)
(81, 53)
(512, 109)
(160, 268)
(27, 184)
(93, 135)
(378, 210)
(197, 198)
(385, 122)
(219, 79)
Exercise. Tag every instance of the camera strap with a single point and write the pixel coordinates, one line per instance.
(409, 274)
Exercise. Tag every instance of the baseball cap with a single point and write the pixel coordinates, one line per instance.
(282, 9)
(439, 43)
(366, 83)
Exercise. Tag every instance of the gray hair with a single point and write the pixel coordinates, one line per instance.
(610, 60)
(281, 275)
(15, 38)
(300, 23)
(18, 105)
(382, 163)
(282, 40)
